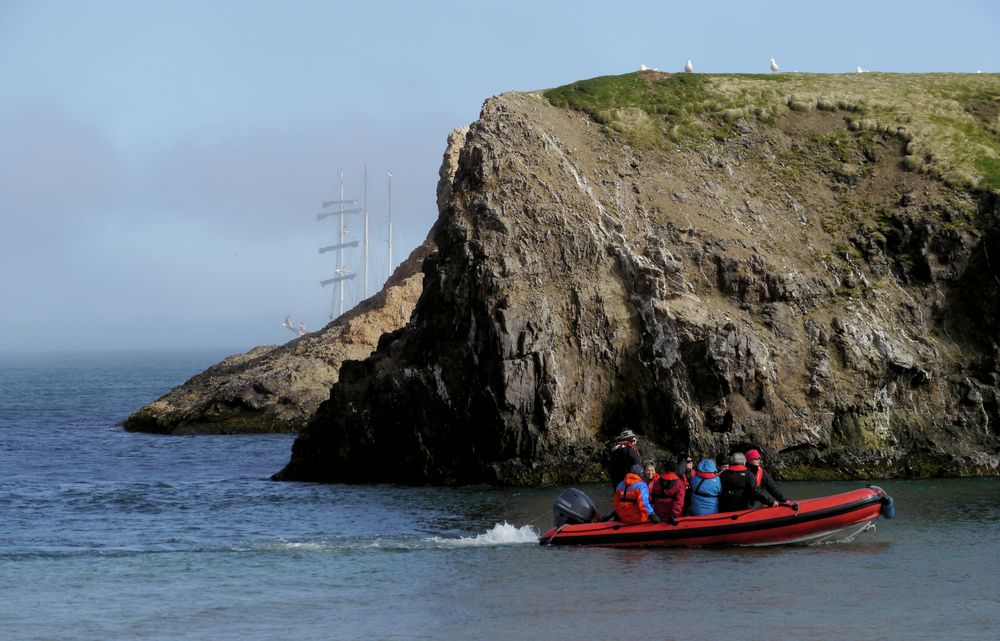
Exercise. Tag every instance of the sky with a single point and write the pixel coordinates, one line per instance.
(162, 162)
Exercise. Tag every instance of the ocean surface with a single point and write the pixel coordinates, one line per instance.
(111, 535)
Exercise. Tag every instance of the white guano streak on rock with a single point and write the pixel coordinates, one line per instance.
(551, 143)
(581, 181)
(442, 389)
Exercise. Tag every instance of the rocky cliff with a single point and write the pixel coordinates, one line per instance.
(710, 261)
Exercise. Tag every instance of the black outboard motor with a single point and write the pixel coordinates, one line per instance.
(572, 507)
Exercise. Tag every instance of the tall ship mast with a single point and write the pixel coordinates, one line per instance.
(364, 192)
(342, 273)
(389, 210)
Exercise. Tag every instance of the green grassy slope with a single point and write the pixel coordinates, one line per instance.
(950, 123)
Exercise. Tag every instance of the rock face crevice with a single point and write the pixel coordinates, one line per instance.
(707, 297)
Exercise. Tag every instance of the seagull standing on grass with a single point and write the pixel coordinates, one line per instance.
(774, 66)
(860, 70)
(688, 68)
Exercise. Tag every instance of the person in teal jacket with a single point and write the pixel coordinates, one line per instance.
(705, 489)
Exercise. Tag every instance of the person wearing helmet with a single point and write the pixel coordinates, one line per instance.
(624, 454)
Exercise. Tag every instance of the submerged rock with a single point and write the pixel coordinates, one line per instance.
(740, 290)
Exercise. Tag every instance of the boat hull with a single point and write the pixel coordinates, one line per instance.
(832, 518)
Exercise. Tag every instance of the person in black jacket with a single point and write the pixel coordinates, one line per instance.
(624, 454)
(762, 478)
(739, 489)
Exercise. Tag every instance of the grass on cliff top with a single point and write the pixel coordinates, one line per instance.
(949, 122)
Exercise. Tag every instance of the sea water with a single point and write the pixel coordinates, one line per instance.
(111, 535)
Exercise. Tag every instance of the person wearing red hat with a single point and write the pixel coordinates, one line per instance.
(760, 475)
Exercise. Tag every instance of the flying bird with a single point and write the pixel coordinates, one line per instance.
(774, 66)
(688, 68)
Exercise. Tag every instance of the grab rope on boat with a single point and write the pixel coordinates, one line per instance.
(532, 521)
(733, 516)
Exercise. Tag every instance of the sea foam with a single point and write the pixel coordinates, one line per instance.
(500, 534)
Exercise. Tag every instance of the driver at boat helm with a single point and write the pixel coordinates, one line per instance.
(624, 454)
(739, 490)
(760, 475)
(632, 499)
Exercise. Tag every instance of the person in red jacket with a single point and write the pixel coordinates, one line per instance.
(649, 473)
(632, 499)
(689, 469)
(667, 493)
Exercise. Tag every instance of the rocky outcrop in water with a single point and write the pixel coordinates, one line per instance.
(278, 388)
(785, 284)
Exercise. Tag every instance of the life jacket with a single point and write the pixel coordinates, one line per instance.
(696, 485)
(733, 495)
(671, 479)
(628, 500)
(759, 475)
(668, 495)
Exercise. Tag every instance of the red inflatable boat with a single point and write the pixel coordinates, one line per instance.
(840, 517)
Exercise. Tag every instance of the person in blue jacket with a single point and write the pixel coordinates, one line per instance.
(705, 489)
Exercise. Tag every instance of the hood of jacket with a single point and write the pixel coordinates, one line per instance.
(633, 479)
(708, 465)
